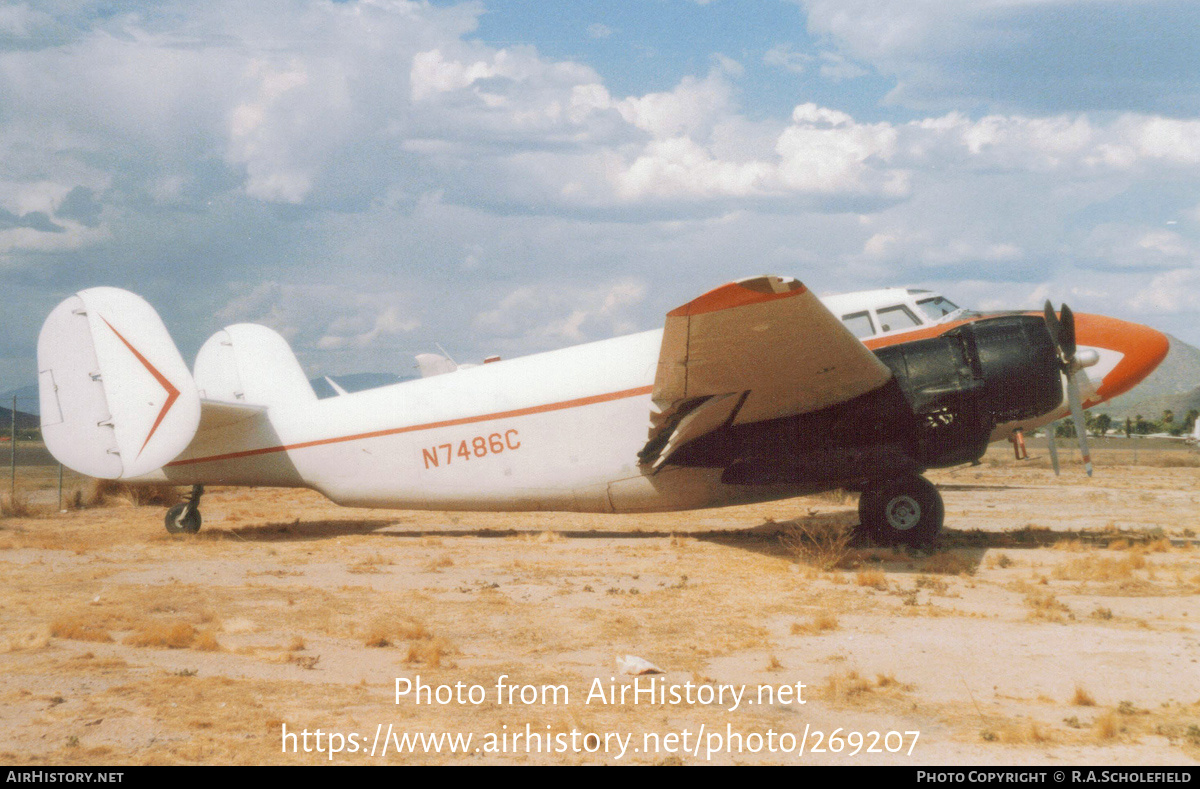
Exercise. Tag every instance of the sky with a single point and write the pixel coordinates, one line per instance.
(380, 178)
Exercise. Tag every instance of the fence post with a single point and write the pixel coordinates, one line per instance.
(13, 440)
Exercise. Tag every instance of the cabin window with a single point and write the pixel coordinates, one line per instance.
(896, 318)
(859, 323)
(937, 307)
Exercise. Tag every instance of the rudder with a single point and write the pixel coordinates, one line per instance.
(117, 400)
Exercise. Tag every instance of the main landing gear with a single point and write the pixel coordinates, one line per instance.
(185, 518)
(905, 510)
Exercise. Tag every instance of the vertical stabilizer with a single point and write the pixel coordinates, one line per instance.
(252, 365)
(117, 400)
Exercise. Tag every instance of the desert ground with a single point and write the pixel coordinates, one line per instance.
(1057, 622)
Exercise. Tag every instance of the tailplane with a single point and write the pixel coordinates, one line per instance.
(117, 400)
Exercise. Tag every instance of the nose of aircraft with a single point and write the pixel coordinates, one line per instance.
(1141, 349)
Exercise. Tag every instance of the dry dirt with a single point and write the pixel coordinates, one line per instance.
(1058, 623)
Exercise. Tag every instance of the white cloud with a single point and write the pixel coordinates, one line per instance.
(553, 314)
(827, 151)
(1043, 55)
(784, 57)
(692, 108)
(1176, 291)
(323, 317)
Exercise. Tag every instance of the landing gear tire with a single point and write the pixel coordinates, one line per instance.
(185, 518)
(182, 519)
(906, 510)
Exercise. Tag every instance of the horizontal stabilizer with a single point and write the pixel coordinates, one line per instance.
(117, 400)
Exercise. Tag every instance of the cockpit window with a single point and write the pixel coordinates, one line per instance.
(896, 318)
(860, 324)
(937, 307)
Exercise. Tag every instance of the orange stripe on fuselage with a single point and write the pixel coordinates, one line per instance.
(467, 420)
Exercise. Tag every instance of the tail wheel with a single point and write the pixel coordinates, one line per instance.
(185, 518)
(906, 510)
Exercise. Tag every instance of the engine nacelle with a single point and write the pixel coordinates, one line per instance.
(1003, 368)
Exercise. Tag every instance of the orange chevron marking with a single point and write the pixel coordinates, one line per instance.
(172, 392)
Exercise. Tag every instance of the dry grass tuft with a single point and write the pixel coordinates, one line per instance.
(1101, 568)
(999, 560)
(819, 544)
(845, 685)
(1161, 545)
(1018, 734)
(837, 496)
(1107, 727)
(101, 492)
(371, 564)
(821, 622)
(1082, 698)
(25, 640)
(437, 565)
(78, 629)
(17, 506)
(872, 578)
(947, 563)
(385, 631)
(1043, 604)
(206, 641)
(428, 652)
(177, 635)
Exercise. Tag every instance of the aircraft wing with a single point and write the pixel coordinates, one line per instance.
(756, 349)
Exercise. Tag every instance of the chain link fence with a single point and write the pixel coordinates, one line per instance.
(35, 478)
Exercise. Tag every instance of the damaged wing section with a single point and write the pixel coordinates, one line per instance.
(752, 350)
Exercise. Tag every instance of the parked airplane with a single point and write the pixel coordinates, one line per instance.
(754, 391)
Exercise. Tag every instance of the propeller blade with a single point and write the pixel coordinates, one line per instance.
(1052, 324)
(1076, 403)
(1062, 331)
(1050, 432)
(1067, 334)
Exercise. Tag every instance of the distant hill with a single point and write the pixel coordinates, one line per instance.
(24, 421)
(1175, 385)
(27, 399)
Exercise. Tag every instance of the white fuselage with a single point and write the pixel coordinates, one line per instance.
(553, 431)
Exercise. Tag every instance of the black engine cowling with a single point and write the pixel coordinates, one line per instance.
(963, 383)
